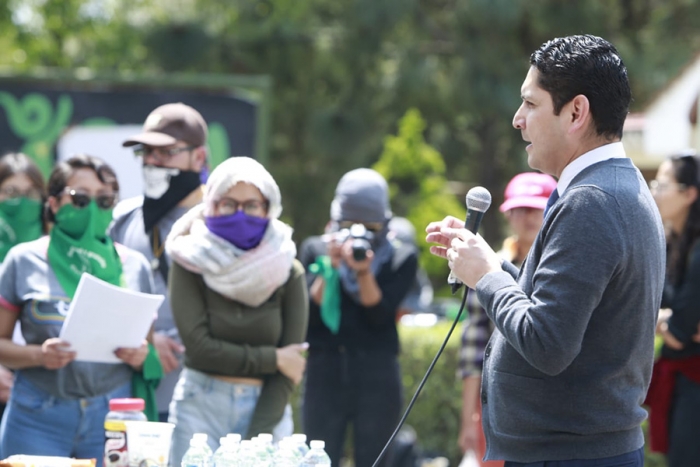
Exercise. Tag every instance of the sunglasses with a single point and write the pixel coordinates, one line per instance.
(81, 200)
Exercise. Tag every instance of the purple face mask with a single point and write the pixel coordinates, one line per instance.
(242, 230)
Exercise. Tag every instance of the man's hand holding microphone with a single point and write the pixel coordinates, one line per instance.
(469, 256)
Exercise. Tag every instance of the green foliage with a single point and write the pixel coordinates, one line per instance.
(436, 414)
(415, 172)
(345, 72)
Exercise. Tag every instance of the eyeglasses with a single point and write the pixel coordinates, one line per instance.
(371, 226)
(12, 192)
(162, 155)
(658, 187)
(81, 199)
(252, 207)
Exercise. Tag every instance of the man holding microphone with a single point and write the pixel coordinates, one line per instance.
(568, 366)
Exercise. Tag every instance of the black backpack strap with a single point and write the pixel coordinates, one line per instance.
(159, 262)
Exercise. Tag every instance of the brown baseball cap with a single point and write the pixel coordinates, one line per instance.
(169, 124)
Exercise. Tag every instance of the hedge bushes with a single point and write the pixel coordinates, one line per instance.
(436, 414)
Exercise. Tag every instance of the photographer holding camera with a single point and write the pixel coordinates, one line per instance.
(357, 280)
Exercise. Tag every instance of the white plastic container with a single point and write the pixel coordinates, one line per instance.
(149, 442)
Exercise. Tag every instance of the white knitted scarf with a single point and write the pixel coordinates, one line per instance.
(249, 277)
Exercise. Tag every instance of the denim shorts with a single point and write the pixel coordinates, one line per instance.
(203, 404)
(37, 423)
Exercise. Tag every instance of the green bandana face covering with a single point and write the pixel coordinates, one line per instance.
(20, 221)
(79, 243)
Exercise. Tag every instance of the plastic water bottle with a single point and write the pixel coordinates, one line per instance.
(266, 440)
(300, 443)
(204, 438)
(246, 455)
(263, 449)
(225, 456)
(216, 459)
(198, 454)
(316, 457)
(286, 455)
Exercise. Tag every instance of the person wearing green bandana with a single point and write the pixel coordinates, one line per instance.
(22, 192)
(58, 404)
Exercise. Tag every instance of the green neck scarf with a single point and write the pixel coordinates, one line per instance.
(79, 243)
(330, 304)
(20, 221)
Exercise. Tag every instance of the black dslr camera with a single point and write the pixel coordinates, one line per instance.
(361, 240)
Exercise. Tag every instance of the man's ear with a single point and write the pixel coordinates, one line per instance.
(691, 194)
(579, 113)
(200, 158)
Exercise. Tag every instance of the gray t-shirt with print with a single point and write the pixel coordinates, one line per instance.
(29, 286)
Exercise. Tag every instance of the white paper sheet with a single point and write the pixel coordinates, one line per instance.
(103, 317)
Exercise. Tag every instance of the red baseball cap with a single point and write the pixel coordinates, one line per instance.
(528, 190)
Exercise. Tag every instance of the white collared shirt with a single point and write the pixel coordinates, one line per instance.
(599, 154)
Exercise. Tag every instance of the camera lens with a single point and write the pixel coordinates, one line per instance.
(359, 249)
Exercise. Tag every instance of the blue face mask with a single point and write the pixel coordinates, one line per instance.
(240, 229)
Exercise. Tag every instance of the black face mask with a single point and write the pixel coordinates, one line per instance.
(164, 188)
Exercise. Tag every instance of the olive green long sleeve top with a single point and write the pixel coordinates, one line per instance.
(225, 337)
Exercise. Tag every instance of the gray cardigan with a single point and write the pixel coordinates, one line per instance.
(568, 367)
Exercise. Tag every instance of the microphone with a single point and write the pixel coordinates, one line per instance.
(478, 202)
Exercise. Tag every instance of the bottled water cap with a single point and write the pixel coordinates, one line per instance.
(299, 437)
(266, 437)
(318, 443)
(234, 436)
(229, 442)
(222, 441)
(200, 436)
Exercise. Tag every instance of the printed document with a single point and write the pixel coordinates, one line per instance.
(103, 317)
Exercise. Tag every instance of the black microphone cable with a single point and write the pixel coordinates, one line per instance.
(422, 383)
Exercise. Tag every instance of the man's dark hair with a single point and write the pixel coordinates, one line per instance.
(587, 65)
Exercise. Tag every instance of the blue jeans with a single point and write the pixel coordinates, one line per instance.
(203, 404)
(38, 423)
(630, 459)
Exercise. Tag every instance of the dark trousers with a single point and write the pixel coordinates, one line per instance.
(631, 459)
(684, 425)
(362, 389)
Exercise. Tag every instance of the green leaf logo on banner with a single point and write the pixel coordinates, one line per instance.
(34, 120)
(219, 148)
